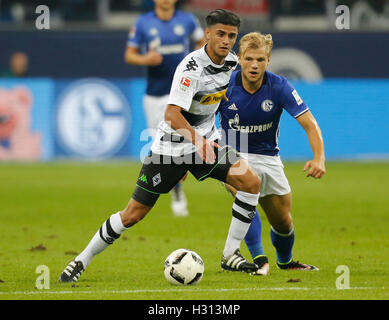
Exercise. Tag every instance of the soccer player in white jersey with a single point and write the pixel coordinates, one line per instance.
(160, 40)
(250, 122)
(187, 140)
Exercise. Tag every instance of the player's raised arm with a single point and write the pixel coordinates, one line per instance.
(316, 166)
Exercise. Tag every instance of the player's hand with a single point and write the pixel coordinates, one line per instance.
(153, 58)
(316, 168)
(205, 149)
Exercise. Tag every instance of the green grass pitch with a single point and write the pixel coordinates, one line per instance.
(50, 211)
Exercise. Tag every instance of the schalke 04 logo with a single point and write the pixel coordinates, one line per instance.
(93, 119)
(267, 105)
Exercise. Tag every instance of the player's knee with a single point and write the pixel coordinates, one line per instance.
(252, 184)
(242, 177)
(256, 185)
(247, 183)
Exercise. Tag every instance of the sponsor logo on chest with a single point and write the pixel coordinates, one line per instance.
(213, 97)
(234, 124)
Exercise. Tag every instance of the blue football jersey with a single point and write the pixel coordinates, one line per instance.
(250, 122)
(171, 39)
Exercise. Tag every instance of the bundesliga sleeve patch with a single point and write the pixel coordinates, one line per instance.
(185, 83)
(297, 97)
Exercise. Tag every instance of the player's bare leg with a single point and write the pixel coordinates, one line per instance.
(247, 184)
(243, 178)
(277, 209)
(134, 212)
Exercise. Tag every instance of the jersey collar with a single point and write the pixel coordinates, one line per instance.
(210, 60)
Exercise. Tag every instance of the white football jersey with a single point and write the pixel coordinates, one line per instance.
(198, 87)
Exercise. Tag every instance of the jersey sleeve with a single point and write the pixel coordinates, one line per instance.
(184, 85)
(135, 35)
(197, 32)
(291, 101)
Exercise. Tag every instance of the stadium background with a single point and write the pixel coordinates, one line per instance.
(84, 102)
(71, 126)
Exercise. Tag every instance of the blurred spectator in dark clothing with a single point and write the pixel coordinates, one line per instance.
(148, 5)
(18, 66)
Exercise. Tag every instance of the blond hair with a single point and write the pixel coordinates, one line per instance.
(255, 40)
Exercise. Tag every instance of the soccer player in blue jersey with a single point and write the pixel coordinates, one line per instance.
(250, 121)
(160, 40)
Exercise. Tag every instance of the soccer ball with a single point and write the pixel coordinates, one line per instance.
(183, 267)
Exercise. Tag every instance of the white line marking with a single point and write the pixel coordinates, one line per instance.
(179, 290)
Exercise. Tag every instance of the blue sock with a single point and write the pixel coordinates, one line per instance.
(283, 244)
(253, 237)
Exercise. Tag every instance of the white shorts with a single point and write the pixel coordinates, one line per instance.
(154, 108)
(271, 171)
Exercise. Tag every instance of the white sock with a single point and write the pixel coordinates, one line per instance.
(243, 211)
(236, 233)
(106, 235)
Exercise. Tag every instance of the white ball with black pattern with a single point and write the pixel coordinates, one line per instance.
(183, 267)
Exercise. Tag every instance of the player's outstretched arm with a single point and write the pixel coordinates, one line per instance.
(316, 166)
(176, 120)
(151, 58)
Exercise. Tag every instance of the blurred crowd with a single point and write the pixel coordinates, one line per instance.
(366, 14)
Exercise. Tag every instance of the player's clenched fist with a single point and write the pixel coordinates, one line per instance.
(153, 58)
(316, 169)
(205, 150)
